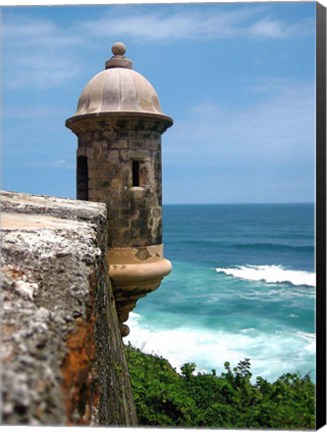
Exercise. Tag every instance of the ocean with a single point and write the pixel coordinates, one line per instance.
(242, 286)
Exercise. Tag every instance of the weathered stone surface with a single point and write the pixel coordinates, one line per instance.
(62, 356)
(115, 170)
(120, 110)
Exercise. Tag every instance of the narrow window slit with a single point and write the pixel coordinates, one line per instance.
(136, 173)
(82, 178)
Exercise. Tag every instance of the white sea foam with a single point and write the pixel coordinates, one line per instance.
(270, 355)
(270, 274)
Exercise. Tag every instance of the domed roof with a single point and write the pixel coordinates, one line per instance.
(118, 89)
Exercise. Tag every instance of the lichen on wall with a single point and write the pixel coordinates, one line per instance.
(62, 356)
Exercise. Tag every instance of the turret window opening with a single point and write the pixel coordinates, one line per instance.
(136, 173)
(82, 178)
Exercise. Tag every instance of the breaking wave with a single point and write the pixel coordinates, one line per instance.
(271, 274)
(271, 355)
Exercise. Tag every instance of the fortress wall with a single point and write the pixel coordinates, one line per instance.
(62, 355)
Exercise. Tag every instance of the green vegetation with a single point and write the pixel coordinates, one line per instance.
(165, 398)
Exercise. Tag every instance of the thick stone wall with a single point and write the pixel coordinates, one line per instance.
(62, 355)
(124, 171)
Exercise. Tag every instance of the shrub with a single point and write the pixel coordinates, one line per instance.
(165, 398)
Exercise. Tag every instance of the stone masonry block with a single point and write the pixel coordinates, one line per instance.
(63, 360)
(119, 144)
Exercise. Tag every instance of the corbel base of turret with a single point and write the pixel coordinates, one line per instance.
(134, 273)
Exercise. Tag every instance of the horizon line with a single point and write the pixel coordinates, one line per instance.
(245, 203)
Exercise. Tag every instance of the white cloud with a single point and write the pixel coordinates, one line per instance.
(36, 31)
(36, 71)
(58, 164)
(180, 25)
(270, 28)
(264, 152)
(25, 111)
(276, 129)
(16, 26)
(38, 53)
(44, 53)
(242, 22)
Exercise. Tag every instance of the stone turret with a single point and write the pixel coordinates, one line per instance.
(119, 124)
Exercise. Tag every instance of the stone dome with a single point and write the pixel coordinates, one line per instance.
(118, 89)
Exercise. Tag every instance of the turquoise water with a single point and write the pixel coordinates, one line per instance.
(243, 285)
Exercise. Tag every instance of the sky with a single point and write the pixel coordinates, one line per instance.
(237, 78)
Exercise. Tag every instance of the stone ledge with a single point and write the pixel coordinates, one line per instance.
(62, 356)
(13, 202)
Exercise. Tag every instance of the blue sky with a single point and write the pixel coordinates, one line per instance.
(238, 80)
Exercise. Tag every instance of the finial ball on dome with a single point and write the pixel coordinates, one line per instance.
(118, 48)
